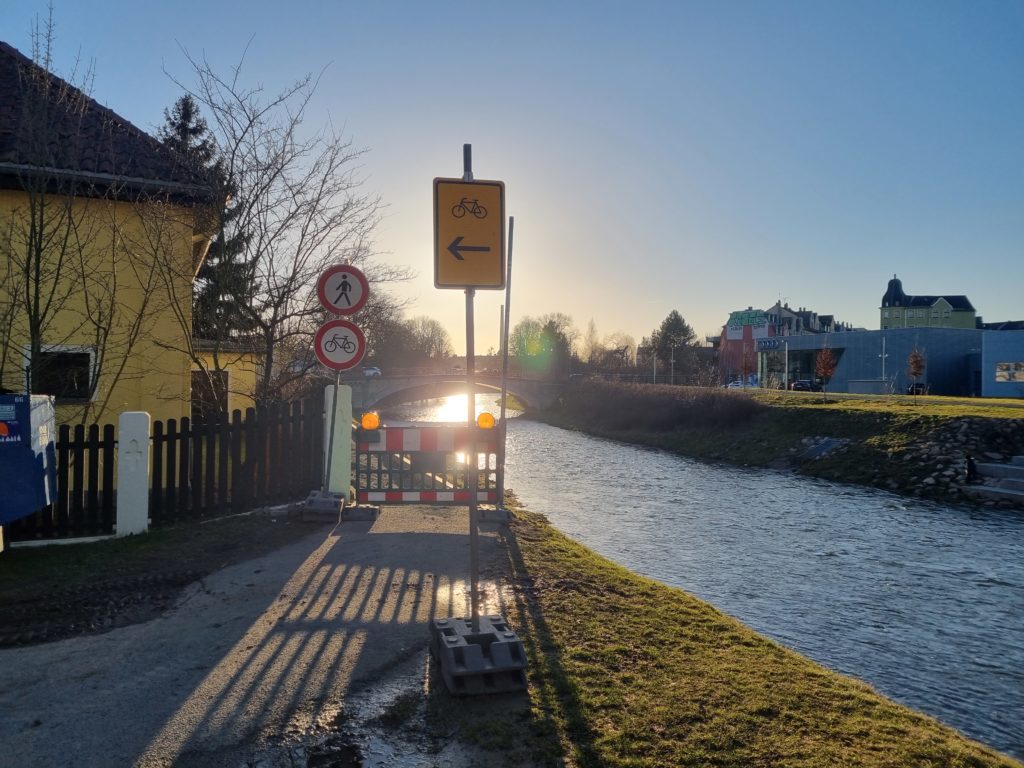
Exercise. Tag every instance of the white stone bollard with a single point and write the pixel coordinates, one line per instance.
(133, 473)
(340, 475)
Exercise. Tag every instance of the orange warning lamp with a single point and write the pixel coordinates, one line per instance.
(485, 421)
(370, 420)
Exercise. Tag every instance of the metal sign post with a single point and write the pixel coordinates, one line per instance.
(472, 474)
(504, 364)
(339, 345)
(469, 253)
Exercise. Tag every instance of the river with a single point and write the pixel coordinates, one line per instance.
(924, 602)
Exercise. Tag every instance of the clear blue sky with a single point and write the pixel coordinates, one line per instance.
(699, 156)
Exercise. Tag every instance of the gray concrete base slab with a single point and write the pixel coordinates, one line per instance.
(360, 512)
(490, 514)
(320, 506)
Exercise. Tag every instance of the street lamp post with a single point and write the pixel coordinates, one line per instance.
(785, 373)
(672, 362)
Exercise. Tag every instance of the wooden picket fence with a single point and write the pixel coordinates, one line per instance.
(264, 456)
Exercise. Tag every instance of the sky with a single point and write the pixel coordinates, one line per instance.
(694, 156)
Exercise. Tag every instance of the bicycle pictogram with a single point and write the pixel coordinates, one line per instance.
(344, 343)
(465, 205)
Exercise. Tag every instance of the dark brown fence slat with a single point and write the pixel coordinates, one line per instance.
(273, 468)
(89, 523)
(156, 482)
(77, 482)
(195, 438)
(184, 463)
(238, 488)
(209, 438)
(59, 510)
(107, 510)
(223, 458)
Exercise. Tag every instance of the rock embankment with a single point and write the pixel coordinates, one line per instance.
(934, 466)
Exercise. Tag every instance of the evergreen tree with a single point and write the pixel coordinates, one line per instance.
(224, 281)
(185, 131)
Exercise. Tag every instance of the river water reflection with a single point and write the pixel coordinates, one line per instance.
(924, 602)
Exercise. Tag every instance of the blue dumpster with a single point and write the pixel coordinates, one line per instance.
(28, 458)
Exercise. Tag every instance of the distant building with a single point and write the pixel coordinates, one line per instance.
(899, 310)
(754, 343)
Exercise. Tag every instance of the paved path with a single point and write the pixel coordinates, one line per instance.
(265, 647)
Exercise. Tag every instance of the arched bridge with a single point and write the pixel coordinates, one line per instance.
(392, 389)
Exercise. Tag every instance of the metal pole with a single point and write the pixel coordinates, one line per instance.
(472, 461)
(472, 466)
(672, 373)
(504, 363)
(786, 376)
(330, 439)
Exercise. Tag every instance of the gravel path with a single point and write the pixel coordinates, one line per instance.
(256, 651)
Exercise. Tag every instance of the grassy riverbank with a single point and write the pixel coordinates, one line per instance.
(894, 442)
(626, 672)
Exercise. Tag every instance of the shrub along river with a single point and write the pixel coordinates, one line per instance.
(924, 602)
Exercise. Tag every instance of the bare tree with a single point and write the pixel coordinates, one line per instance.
(430, 338)
(824, 367)
(915, 368)
(591, 351)
(298, 199)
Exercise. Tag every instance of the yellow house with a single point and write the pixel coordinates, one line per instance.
(223, 378)
(102, 230)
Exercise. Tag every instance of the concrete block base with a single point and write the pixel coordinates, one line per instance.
(489, 514)
(492, 660)
(360, 512)
(320, 506)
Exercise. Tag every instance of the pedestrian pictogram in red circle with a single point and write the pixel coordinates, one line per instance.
(342, 290)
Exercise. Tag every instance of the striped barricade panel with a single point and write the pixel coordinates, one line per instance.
(426, 465)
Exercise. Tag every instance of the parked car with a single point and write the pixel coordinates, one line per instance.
(735, 385)
(806, 385)
(917, 388)
(371, 372)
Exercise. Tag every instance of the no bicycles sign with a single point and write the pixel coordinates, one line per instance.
(339, 344)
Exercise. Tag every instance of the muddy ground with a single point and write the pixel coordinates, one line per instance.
(68, 590)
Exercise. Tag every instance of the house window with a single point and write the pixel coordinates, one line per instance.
(885, 314)
(920, 313)
(64, 372)
(945, 313)
(209, 395)
(896, 314)
(935, 313)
